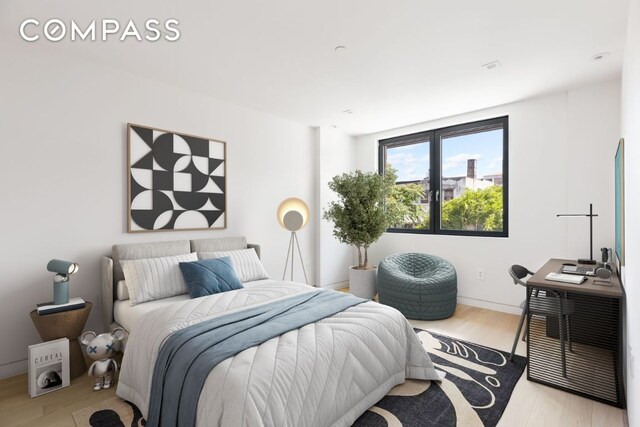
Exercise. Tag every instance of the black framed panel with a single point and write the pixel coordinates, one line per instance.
(592, 365)
(401, 141)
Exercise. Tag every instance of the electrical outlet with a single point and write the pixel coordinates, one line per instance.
(480, 274)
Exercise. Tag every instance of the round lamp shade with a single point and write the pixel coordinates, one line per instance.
(293, 214)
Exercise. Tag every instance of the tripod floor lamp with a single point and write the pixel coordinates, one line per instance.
(293, 215)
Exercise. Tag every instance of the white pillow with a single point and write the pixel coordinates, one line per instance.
(245, 262)
(155, 278)
(121, 291)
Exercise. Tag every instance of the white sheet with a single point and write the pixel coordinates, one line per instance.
(127, 315)
(324, 374)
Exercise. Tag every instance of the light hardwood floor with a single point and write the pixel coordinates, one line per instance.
(531, 404)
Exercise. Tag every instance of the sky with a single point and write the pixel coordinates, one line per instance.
(412, 161)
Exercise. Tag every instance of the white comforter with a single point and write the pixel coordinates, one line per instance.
(323, 374)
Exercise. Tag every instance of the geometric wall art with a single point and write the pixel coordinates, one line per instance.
(176, 181)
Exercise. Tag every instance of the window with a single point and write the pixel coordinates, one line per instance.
(452, 180)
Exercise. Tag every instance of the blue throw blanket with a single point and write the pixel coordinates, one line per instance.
(187, 356)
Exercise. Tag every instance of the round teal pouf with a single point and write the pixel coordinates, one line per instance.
(420, 286)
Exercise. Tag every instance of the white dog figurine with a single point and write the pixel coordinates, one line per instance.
(101, 348)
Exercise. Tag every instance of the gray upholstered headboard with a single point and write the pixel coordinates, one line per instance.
(112, 270)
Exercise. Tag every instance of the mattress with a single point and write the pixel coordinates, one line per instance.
(126, 315)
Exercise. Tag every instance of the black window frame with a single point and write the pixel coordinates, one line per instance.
(434, 137)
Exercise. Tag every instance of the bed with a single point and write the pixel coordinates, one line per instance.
(325, 373)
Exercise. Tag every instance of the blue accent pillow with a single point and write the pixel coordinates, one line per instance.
(210, 276)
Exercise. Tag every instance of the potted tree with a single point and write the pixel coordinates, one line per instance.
(359, 218)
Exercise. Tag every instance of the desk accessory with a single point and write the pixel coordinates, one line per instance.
(603, 277)
(607, 256)
(579, 270)
(565, 278)
(64, 269)
(293, 215)
(590, 215)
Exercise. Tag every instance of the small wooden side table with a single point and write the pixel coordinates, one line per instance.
(66, 324)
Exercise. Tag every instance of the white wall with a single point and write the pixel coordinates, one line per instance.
(593, 119)
(63, 176)
(631, 134)
(561, 151)
(335, 155)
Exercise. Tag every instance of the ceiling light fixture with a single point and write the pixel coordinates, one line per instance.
(491, 65)
(348, 111)
(600, 56)
(340, 49)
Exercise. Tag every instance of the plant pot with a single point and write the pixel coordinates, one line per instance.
(362, 283)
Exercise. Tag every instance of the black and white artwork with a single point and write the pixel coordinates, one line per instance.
(176, 181)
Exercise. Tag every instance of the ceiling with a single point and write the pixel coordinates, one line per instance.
(406, 61)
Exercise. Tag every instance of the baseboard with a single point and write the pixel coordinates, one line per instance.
(490, 305)
(337, 285)
(13, 368)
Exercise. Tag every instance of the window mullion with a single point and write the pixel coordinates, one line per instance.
(436, 167)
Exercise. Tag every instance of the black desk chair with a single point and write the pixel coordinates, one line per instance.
(551, 304)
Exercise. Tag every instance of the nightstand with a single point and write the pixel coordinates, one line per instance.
(66, 324)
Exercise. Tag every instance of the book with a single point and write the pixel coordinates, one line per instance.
(48, 366)
(566, 278)
(50, 307)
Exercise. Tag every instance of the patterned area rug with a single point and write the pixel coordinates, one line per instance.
(476, 389)
(113, 412)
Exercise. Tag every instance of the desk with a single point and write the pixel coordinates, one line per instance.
(594, 367)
